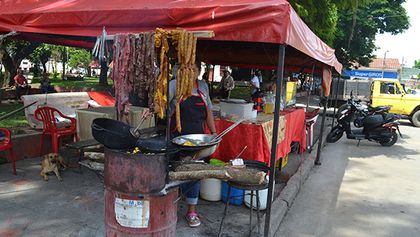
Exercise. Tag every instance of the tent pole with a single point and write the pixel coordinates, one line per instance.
(279, 92)
(321, 133)
(310, 88)
(335, 101)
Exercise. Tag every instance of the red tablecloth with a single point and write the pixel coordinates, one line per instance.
(252, 135)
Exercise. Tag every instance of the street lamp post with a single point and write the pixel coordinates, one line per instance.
(383, 64)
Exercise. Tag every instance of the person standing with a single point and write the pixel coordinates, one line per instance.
(21, 84)
(46, 84)
(227, 84)
(255, 83)
(196, 115)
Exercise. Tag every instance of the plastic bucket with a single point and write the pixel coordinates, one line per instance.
(236, 195)
(211, 190)
(262, 194)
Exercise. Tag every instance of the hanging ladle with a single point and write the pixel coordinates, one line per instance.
(135, 131)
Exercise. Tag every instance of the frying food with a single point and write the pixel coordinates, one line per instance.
(189, 143)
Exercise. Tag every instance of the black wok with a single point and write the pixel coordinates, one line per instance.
(113, 134)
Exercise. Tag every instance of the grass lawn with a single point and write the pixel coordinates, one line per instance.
(15, 121)
(87, 82)
(239, 92)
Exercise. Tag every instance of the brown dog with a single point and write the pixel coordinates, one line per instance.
(52, 162)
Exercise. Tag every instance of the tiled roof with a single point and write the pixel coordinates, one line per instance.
(390, 63)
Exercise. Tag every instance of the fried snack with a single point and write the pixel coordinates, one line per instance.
(186, 43)
(161, 97)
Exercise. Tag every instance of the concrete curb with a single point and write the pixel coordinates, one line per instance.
(284, 201)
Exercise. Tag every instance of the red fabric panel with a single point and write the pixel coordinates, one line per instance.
(231, 20)
(326, 81)
(303, 39)
(252, 135)
(103, 98)
(295, 132)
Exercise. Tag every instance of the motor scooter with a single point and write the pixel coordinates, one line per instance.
(379, 127)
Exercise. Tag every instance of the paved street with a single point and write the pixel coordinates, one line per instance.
(361, 191)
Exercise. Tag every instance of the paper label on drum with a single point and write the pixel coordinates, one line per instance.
(132, 213)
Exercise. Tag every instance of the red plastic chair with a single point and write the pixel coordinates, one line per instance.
(6, 145)
(47, 116)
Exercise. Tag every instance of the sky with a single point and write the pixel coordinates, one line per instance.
(406, 44)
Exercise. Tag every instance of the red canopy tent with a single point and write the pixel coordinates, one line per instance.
(238, 26)
(247, 33)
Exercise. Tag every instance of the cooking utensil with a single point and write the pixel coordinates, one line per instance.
(227, 130)
(135, 132)
(205, 149)
(240, 153)
(113, 134)
(156, 144)
(200, 140)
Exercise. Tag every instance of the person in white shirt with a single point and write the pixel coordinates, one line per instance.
(255, 82)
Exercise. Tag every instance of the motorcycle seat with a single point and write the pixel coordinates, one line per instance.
(380, 108)
(388, 117)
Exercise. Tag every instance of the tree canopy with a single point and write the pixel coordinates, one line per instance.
(12, 53)
(350, 26)
(79, 58)
(417, 64)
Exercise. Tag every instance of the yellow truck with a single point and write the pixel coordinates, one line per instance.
(392, 93)
(382, 92)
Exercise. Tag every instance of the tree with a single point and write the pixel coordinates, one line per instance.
(320, 15)
(12, 53)
(59, 54)
(350, 26)
(377, 16)
(41, 54)
(80, 58)
(417, 64)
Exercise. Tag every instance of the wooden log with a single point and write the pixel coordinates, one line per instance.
(96, 156)
(198, 174)
(239, 174)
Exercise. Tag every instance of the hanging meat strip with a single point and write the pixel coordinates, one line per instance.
(122, 72)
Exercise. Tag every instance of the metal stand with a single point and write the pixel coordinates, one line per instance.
(253, 189)
(335, 102)
(318, 153)
(279, 92)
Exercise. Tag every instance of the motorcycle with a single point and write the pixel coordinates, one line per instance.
(375, 124)
(363, 110)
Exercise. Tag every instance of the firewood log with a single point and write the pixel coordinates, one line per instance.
(230, 173)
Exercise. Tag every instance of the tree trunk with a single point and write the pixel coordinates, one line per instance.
(44, 66)
(103, 79)
(89, 71)
(9, 68)
(64, 70)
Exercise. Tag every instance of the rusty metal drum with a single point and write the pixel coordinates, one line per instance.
(146, 216)
(135, 174)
